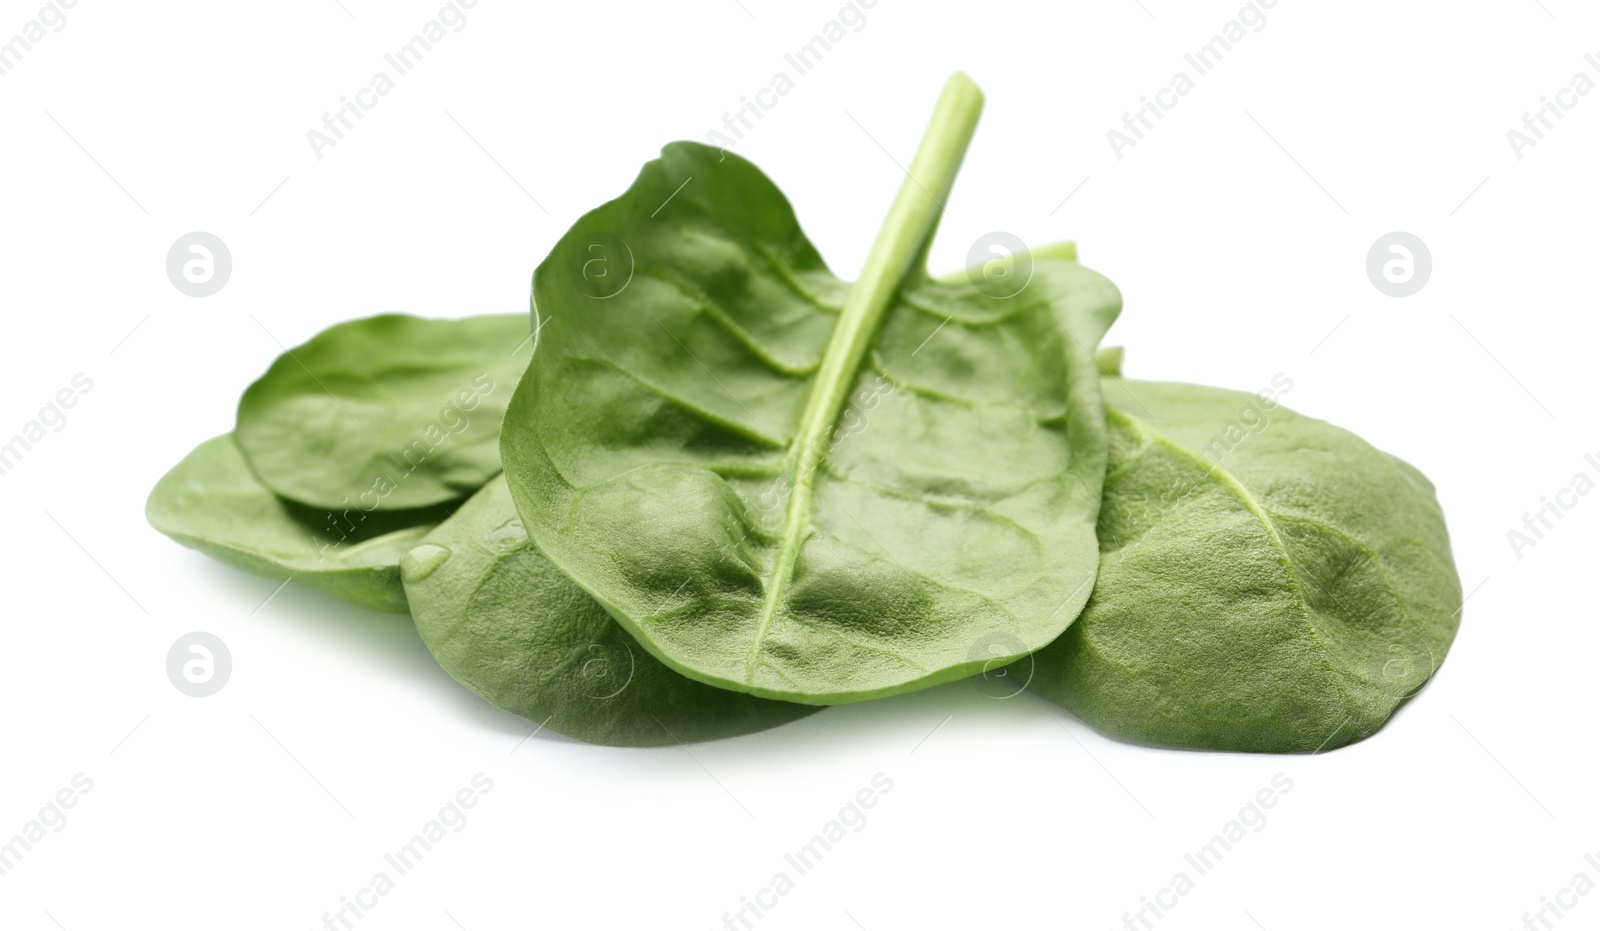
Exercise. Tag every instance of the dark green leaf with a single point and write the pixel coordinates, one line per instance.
(510, 626)
(386, 413)
(1268, 582)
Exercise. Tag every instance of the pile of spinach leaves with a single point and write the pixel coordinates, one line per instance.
(737, 488)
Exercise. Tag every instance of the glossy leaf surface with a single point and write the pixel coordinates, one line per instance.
(667, 451)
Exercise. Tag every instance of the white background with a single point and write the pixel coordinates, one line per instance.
(1238, 230)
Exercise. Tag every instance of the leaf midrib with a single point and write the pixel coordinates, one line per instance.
(900, 246)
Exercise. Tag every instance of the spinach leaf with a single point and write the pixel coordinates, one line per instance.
(788, 486)
(387, 413)
(1268, 581)
(213, 503)
(509, 625)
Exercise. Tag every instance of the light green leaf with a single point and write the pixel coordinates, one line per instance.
(213, 503)
(787, 486)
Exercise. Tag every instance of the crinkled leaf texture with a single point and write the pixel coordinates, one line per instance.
(1268, 581)
(387, 413)
(509, 625)
(213, 503)
(654, 447)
